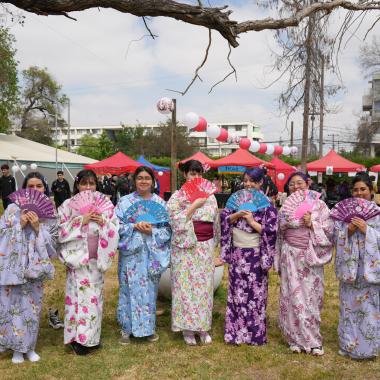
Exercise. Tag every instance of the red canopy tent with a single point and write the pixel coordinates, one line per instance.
(375, 168)
(336, 161)
(242, 157)
(201, 157)
(280, 167)
(117, 164)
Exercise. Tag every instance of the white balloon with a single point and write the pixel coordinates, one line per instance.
(255, 146)
(191, 120)
(33, 166)
(15, 168)
(160, 173)
(280, 176)
(213, 131)
(286, 151)
(293, 150)
(165, 105)
(23, 167)
(270, 149)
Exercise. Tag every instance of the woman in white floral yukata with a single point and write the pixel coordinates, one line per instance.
(304, 246)
(24, 239)
(195, 232)
(357, 267)
(88, 244)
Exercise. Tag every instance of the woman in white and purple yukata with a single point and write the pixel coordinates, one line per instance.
(248, 244)
(24, 240)
(357, 267)
(88, 244)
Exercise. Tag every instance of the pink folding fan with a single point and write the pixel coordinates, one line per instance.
(90, 201)
(301, 202)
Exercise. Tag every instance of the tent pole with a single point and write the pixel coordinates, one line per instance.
(173, 158)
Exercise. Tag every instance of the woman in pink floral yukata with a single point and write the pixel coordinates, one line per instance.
(88, 244)
(303, 247)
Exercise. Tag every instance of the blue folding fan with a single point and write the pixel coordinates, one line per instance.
(248, 200)
(146, 211)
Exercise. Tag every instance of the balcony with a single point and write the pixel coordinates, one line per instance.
(367, 101)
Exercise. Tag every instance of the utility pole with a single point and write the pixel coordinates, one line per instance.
(173, 144)
(68, 126)
(291, 133)
(321, 106)
(306, 103)
(333, 140)
(312, 130)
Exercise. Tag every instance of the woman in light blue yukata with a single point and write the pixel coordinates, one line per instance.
(144, 254)
(357, 267)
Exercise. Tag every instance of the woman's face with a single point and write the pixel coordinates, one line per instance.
(249, 184)
(191, 175)
(361, 190)
(297, 183)
(87, 184)
(36, 184)
(144, 183)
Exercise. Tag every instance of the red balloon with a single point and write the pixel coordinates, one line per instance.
(245, 143)
(223, 135)
(263, 148)
(202, 125)
(278, 150)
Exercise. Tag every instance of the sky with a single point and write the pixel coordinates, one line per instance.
(114, 73)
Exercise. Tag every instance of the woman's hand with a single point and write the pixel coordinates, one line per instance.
(247, 215)
(33, 220)
(143, 227)
(360, 224)
(307, 219)
(23, 219)
(97, 218)
(86, 218)
(252, 222)
(351, 229)
(198, 203)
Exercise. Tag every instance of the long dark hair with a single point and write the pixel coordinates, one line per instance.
(191, 166)
(363, 177)
(147, 169)
(84, 174)
(39, 176)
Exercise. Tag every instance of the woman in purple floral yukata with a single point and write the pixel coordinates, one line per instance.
(248, 243)
(304, 246)
(88, 244)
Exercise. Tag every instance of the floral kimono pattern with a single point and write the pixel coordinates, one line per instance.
(24, 265)
(192, 265)
(302, 277)
(142, 259)
(85, 276)
(248, 278)
(357, 267)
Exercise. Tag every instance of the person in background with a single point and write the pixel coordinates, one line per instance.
(122, 185)
(27, 246)
(7, 185)
(344, 191)
(114, 180)
(357, 267)
(60, 189)
(107, 185)
(268, 187)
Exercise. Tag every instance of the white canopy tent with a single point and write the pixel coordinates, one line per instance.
(21, 153)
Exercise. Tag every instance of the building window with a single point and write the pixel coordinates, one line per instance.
(376, 106)
(238, 128)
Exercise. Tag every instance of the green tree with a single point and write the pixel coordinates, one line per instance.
(8, 79)
(41, 95)
(96, 148)
(39, 131)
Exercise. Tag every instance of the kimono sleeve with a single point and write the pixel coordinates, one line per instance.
(268, 238)
(320, 246)
(281, 222)
(108, 240)
(159, 250)
(347, 253)
(183, 230)
(47, 238)
(372, 251)
(216, 223)
(226, 247)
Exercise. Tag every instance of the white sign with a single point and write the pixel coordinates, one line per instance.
(329, 170)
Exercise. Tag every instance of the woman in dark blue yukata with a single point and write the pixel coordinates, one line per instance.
(248, 245)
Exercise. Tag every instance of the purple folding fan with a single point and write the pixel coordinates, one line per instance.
(354, 207)
(34, 200)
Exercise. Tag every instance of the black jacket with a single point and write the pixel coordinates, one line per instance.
(7, 186)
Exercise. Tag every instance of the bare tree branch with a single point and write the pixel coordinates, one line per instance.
(148, 29)
(197, 69)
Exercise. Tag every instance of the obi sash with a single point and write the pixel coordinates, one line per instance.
(243, 239)
(203, 230)
(92, 241)
(298, 237)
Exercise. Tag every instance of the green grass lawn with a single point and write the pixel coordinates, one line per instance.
(170, 358)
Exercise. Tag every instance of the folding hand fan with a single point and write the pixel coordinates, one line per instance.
(90, 201)
(354, 207)
(146, 211)
(301, 202)
(34, 200)
(249, 200)
(198, 188)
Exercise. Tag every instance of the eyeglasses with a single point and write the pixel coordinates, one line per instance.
(298, 183)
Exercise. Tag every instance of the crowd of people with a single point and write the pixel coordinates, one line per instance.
(251, 244)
